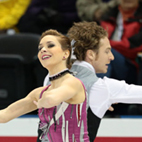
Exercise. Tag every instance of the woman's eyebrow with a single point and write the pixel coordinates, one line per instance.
(48, 41)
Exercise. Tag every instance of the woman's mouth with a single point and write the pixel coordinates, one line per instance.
(46, 57)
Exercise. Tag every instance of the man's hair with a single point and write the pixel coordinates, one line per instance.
(87, 36)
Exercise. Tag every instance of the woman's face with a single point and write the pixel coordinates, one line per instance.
(50, 52)
(128, 4)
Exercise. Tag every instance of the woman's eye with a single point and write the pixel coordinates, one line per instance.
(39, 48)
(51, 45)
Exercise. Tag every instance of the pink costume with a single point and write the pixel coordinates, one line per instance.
(64, 123)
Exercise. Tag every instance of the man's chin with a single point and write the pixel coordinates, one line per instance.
(105, 71)
(102, 72)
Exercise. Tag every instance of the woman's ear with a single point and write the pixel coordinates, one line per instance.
(66, 54)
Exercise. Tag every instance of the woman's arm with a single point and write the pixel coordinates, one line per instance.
(70, 91)
(20, 107)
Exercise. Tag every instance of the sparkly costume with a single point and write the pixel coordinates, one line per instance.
(71, 126)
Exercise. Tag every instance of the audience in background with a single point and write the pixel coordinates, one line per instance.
(10, 13)
(123, 21)
(46, 14)
(124, 26)
(93, 10)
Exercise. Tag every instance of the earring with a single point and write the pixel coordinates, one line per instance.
(64, 58)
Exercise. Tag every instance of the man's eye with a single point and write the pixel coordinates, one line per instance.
(107, 51)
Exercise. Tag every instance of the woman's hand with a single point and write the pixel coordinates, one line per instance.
(37, 104)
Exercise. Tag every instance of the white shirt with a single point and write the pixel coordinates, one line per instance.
(107, 91)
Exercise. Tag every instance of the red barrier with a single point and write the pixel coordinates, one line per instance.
(98, 139)
(18, 139)
(118, 139)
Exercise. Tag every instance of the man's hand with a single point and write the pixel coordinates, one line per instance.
(111, 108)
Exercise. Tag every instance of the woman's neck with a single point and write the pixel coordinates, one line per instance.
(57, 79)
(58, 74)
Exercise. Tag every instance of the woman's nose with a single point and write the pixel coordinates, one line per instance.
(43, 49)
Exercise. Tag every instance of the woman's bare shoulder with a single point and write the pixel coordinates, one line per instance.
(73, 81)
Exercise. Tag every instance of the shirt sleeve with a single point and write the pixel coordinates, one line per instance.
(107, 91)
(121, 92)
(99, 98)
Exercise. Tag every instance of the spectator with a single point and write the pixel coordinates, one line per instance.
(124, 26)
(46, 14)
(92, 10)
(10, 13)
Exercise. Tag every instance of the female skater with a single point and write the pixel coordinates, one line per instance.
(62, 104)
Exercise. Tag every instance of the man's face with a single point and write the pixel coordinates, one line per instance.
(104, 56)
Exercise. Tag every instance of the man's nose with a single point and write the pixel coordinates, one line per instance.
(111, 56)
